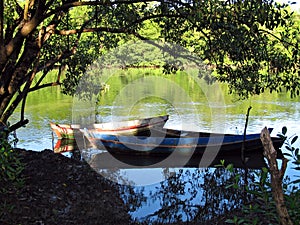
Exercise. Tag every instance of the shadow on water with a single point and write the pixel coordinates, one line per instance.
(187, 193)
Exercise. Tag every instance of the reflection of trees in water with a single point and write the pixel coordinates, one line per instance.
(178, 196)
(133, 198)
(197, 194)
(187, 194)
(219, 196)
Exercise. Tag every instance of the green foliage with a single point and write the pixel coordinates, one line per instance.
(10, 170)
(157, 56)
(292, 153)
(260, 208)
(293, 203)
(252, 52)
(10, 14)
(93, 45)
(235, 220)
(11, 166)
(252, 45)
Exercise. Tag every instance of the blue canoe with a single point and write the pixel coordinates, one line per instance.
(168, 141)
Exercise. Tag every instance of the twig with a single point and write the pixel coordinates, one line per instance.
(245, 131)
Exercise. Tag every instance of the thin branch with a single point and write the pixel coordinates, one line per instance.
(49, 30)
(23, 107)
(26, 9)
(64, 54)
(18, 125)
(61, 69)
(57, 82)
(278, 38)
(60, 57)
(29, 82)
(125, 29)
(283, 168)
(22, 96)
(51, 84)
(245, 132)
(204, 34)
(91, 3)
(45, 72)
(86, 30)
(178, 54)
(51, 63)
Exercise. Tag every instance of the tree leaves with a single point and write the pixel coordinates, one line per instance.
(251, 45)
(249, 42)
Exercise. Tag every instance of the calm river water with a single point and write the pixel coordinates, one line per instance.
(163, 194)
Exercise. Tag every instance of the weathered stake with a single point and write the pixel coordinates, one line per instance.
(276, 176)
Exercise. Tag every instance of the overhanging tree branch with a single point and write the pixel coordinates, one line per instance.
(38, 87)
(56, 83)
(95, 29)
(216, 20)
(92, 3)
(125, 29)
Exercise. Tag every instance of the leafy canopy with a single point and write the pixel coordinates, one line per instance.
(250, 44)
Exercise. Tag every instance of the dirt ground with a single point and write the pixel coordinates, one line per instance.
(61, 190)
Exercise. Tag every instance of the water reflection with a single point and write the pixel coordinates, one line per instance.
(191, 195)
(67, 147)
(184, 193)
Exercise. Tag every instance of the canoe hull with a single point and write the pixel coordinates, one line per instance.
(64, 131)
(183, 145)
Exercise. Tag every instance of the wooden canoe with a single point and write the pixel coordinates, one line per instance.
(187, 143)
(65, 131)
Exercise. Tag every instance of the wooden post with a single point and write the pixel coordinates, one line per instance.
(276, 176)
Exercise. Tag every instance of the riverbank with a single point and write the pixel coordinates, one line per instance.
(60, 190)
(65, 191)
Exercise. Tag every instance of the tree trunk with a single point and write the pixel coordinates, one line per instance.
(276, 176)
